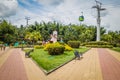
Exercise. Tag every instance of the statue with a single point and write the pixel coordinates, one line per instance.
(54, 36)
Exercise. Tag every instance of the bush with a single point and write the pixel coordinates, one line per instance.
(1, 42)
(74, 44)
(38, 46)
(68, 48)
(98, 44)
(118, 45)
(55, 49)
(46, 46)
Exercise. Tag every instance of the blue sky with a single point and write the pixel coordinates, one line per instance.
(62, 11)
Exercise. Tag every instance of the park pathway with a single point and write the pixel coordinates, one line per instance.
(96, 64)
(3, 51)
(110, 65)
(13, 68)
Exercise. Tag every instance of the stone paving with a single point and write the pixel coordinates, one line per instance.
(96, 64)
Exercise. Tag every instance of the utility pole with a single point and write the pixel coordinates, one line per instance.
(98, 7)
(27, 19)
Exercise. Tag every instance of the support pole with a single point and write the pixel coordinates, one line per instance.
(98, 7)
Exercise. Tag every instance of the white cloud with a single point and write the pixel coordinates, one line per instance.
(64, 11)
(8, 7)
(70, 10)
(111, 20)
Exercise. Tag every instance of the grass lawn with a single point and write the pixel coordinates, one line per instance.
(116, 49)
(50, 62)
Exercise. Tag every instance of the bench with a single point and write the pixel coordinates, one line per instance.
(76, 53)
(27, 54)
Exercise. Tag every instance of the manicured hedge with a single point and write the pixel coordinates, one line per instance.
(55, 49)
(116, 44)
(38, 47)
(98, 44)
(67, 47)
(74, 44)
(1, 42)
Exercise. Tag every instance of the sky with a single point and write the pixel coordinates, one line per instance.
(62, 11)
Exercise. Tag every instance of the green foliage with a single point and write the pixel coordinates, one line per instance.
(33, 37)
(42, 31)
(118, 45)
(74, 44)
(55, 49)
(1, 42)
(67, 47)
(107, 37)
(98, 44)
(38, 47)
(116, 49)
(8, 32)
(27, 50)
(112, 37)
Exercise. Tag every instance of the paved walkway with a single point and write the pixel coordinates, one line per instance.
(97, 64)
(13, 67)
(3, 51)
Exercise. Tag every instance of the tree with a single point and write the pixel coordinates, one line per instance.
(107, 38)
(7, 32)
(34, 36)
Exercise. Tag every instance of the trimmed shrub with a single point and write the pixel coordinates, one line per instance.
(118, 45)
(74, 44)
(1, 42)
(55, 49)
(38, 46)
(68, 48)
(98, 44)
(46, 46)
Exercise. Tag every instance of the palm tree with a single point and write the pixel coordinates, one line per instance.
(34, 36)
